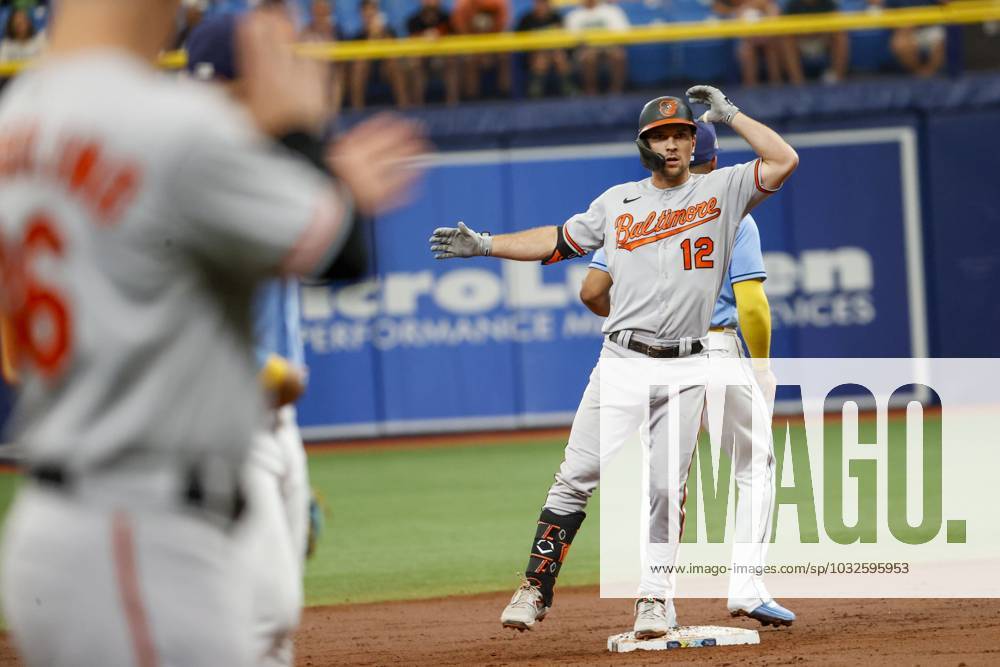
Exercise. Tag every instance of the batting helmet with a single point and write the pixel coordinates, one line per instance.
(706, 144)
(211, 49)
(664, 110)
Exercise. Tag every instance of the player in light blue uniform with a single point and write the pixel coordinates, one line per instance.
(277, 477)
(277, 322)
(747, 263)
(274, 536)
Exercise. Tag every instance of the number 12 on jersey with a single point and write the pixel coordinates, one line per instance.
(703, 248)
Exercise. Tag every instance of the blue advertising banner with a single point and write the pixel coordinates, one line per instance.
(963, 232)
(470, 344)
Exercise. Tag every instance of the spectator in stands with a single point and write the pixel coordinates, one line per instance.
(478, 17)
(599, 15)
(431, 22)
(921, 49)
(540, 63)
(827, 51)
(375, 25)
(322, 27)
(21, 41)
(748, 49)
(24, 4)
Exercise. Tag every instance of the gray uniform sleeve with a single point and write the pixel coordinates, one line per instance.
(585, 231)
(251, 206)
(744, 181)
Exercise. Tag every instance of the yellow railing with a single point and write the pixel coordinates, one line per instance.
(956, 13)
(961, 12)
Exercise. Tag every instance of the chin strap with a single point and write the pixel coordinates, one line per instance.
(650, 159)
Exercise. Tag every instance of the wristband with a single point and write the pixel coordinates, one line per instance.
(308, 146)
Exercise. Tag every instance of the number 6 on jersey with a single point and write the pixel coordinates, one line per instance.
(38, 319)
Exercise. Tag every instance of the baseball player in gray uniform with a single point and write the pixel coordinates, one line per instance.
(741, 301)
(668, 241)
(139, 214)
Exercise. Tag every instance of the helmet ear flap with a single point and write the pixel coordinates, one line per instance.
(650, 159)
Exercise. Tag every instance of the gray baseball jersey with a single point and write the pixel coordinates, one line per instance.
(668, 250)
(138, 213)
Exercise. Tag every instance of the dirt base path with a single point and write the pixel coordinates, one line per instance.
(466, 631)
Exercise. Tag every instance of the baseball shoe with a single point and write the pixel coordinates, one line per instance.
(653, 618)
(769, 613)
(524, 609)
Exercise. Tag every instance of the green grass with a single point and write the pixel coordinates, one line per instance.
(433, 521)
(427, 522)
(8, 485)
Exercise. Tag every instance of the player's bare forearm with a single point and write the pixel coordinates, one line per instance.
(534, 244)
(600, 306)
(777, 158)
(595, 292)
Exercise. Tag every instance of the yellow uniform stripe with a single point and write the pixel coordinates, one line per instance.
(754, 313)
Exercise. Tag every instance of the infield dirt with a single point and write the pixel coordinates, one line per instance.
(466, 631)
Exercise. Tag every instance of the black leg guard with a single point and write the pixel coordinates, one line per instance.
(552, 539)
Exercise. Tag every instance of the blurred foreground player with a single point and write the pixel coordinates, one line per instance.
(140, 214)
(275, 535)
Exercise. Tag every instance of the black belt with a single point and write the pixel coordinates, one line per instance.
(671, 351)
(231, 507)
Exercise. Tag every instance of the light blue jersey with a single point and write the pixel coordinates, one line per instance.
(277, 322)
(747, 264)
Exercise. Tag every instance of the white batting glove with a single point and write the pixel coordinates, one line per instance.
(448, 242)
(768, 385)
(720, 109)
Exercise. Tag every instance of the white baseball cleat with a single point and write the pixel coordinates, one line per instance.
(767, 613)
(525, 608)
(653, 618)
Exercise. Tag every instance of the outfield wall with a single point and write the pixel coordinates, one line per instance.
(432, 345)
(883, 244)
